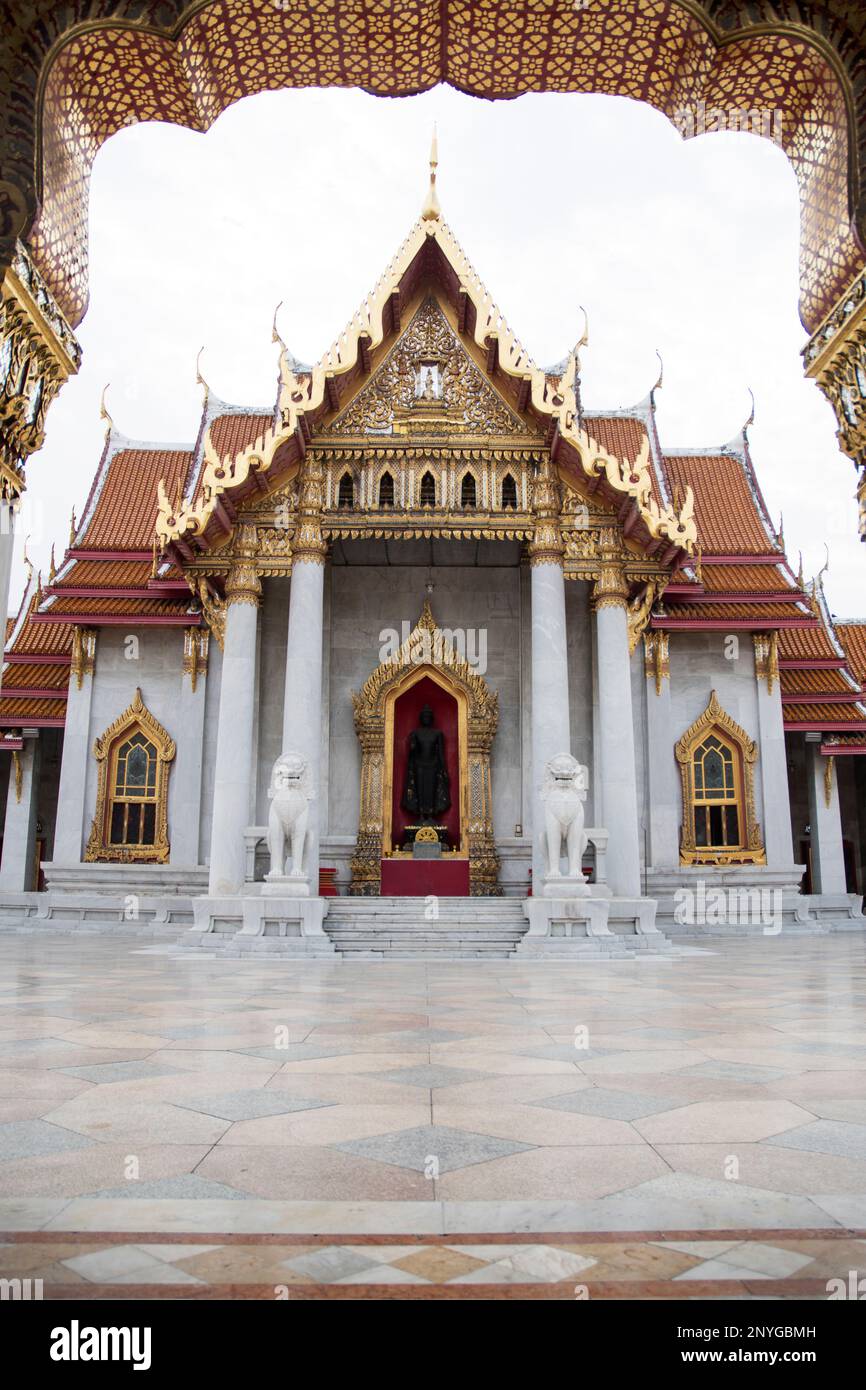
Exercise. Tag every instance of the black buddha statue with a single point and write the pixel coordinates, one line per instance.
(426, 793)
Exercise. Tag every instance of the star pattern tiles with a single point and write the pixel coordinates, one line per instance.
(436, 1119)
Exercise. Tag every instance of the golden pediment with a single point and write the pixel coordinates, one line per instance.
(428, 385)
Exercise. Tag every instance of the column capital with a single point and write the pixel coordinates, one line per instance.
(243, 585)
(546, 546)
(611, 588)
(309, 545)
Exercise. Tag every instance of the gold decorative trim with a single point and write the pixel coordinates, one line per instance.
(656, 658)
(639, 613)
(752, 850)
(828, 780)
(196, 641)
(426, 652)
(767, 658)
(98, 849)
(83, 659)
(19, 775)
(611, 588)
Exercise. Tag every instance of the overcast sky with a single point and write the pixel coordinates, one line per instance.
(688, 247)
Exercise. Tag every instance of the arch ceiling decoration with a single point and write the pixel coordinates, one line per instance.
(74, 74)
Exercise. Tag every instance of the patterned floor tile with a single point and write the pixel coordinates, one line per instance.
(36, 1138)
(432, 1148)
(434, 1077)
(250, 1105)
(611, 1105)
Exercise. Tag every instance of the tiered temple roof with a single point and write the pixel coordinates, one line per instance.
(698, 515)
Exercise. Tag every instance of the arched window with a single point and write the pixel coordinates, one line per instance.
(467, 491)
(346, 491)
(717, 760)
(131, 821)
(386, 490)
(428, 491)
(509, 492)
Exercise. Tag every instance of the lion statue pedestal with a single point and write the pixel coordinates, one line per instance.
(290, 794)
(562, 795)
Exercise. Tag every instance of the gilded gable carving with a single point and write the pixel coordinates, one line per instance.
(428, 378)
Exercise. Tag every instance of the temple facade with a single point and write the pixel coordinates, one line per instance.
(429, 628)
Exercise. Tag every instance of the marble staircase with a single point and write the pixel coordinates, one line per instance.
(403, 929)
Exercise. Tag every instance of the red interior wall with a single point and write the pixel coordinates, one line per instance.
(407, 708)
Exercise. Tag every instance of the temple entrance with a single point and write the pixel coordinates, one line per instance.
(426, 723)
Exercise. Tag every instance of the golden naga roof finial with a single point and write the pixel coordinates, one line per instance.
(431, 211)
(27, 561)
(103, 410)
(751, 419)
(275, 332)
(780, 534)
(660, 382)
(73, 526)
(800, 579)
(200, 381)
(52, 568)
(584, 337)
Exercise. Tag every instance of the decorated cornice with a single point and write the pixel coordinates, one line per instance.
(304, 396)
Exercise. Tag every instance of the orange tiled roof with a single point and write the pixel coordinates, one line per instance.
(750, 579)
(814, 682)
(24, 674)
(726, 514)
(853, 639)
(709, 611)
(135, 607)
(806, 644)
(622, 435)
(831, 714)
(106, 574)
(29, 711)
(126, 506)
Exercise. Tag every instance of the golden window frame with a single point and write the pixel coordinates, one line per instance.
(134, 719)
(715, 720)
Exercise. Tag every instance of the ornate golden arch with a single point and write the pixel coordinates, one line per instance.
(751, 850)
(136, 717)
(426, 652)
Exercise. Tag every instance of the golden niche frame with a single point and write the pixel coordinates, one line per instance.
(99, 849)
(427, 651)
(752, 849)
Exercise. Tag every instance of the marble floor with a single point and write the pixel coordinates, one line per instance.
(176, 1125)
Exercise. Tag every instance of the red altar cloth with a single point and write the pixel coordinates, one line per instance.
(417, 878)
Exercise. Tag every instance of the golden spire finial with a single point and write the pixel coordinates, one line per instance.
(28, 562)
(800, 580)
(73, 526)
(52, 568)
(431, 210)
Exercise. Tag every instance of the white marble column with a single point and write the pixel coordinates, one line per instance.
(302, 708)
(70, 830)
(7, 545)
(233, 770)
(825, 819)
(185, 784)
(772, 756)
(17, 870)
(663, 783)
(616, 732)
(551, 733)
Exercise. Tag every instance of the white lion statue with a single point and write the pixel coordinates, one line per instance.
(290, 794)
(563, 794)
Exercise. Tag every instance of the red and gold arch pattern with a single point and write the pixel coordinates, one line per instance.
(81, 72)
